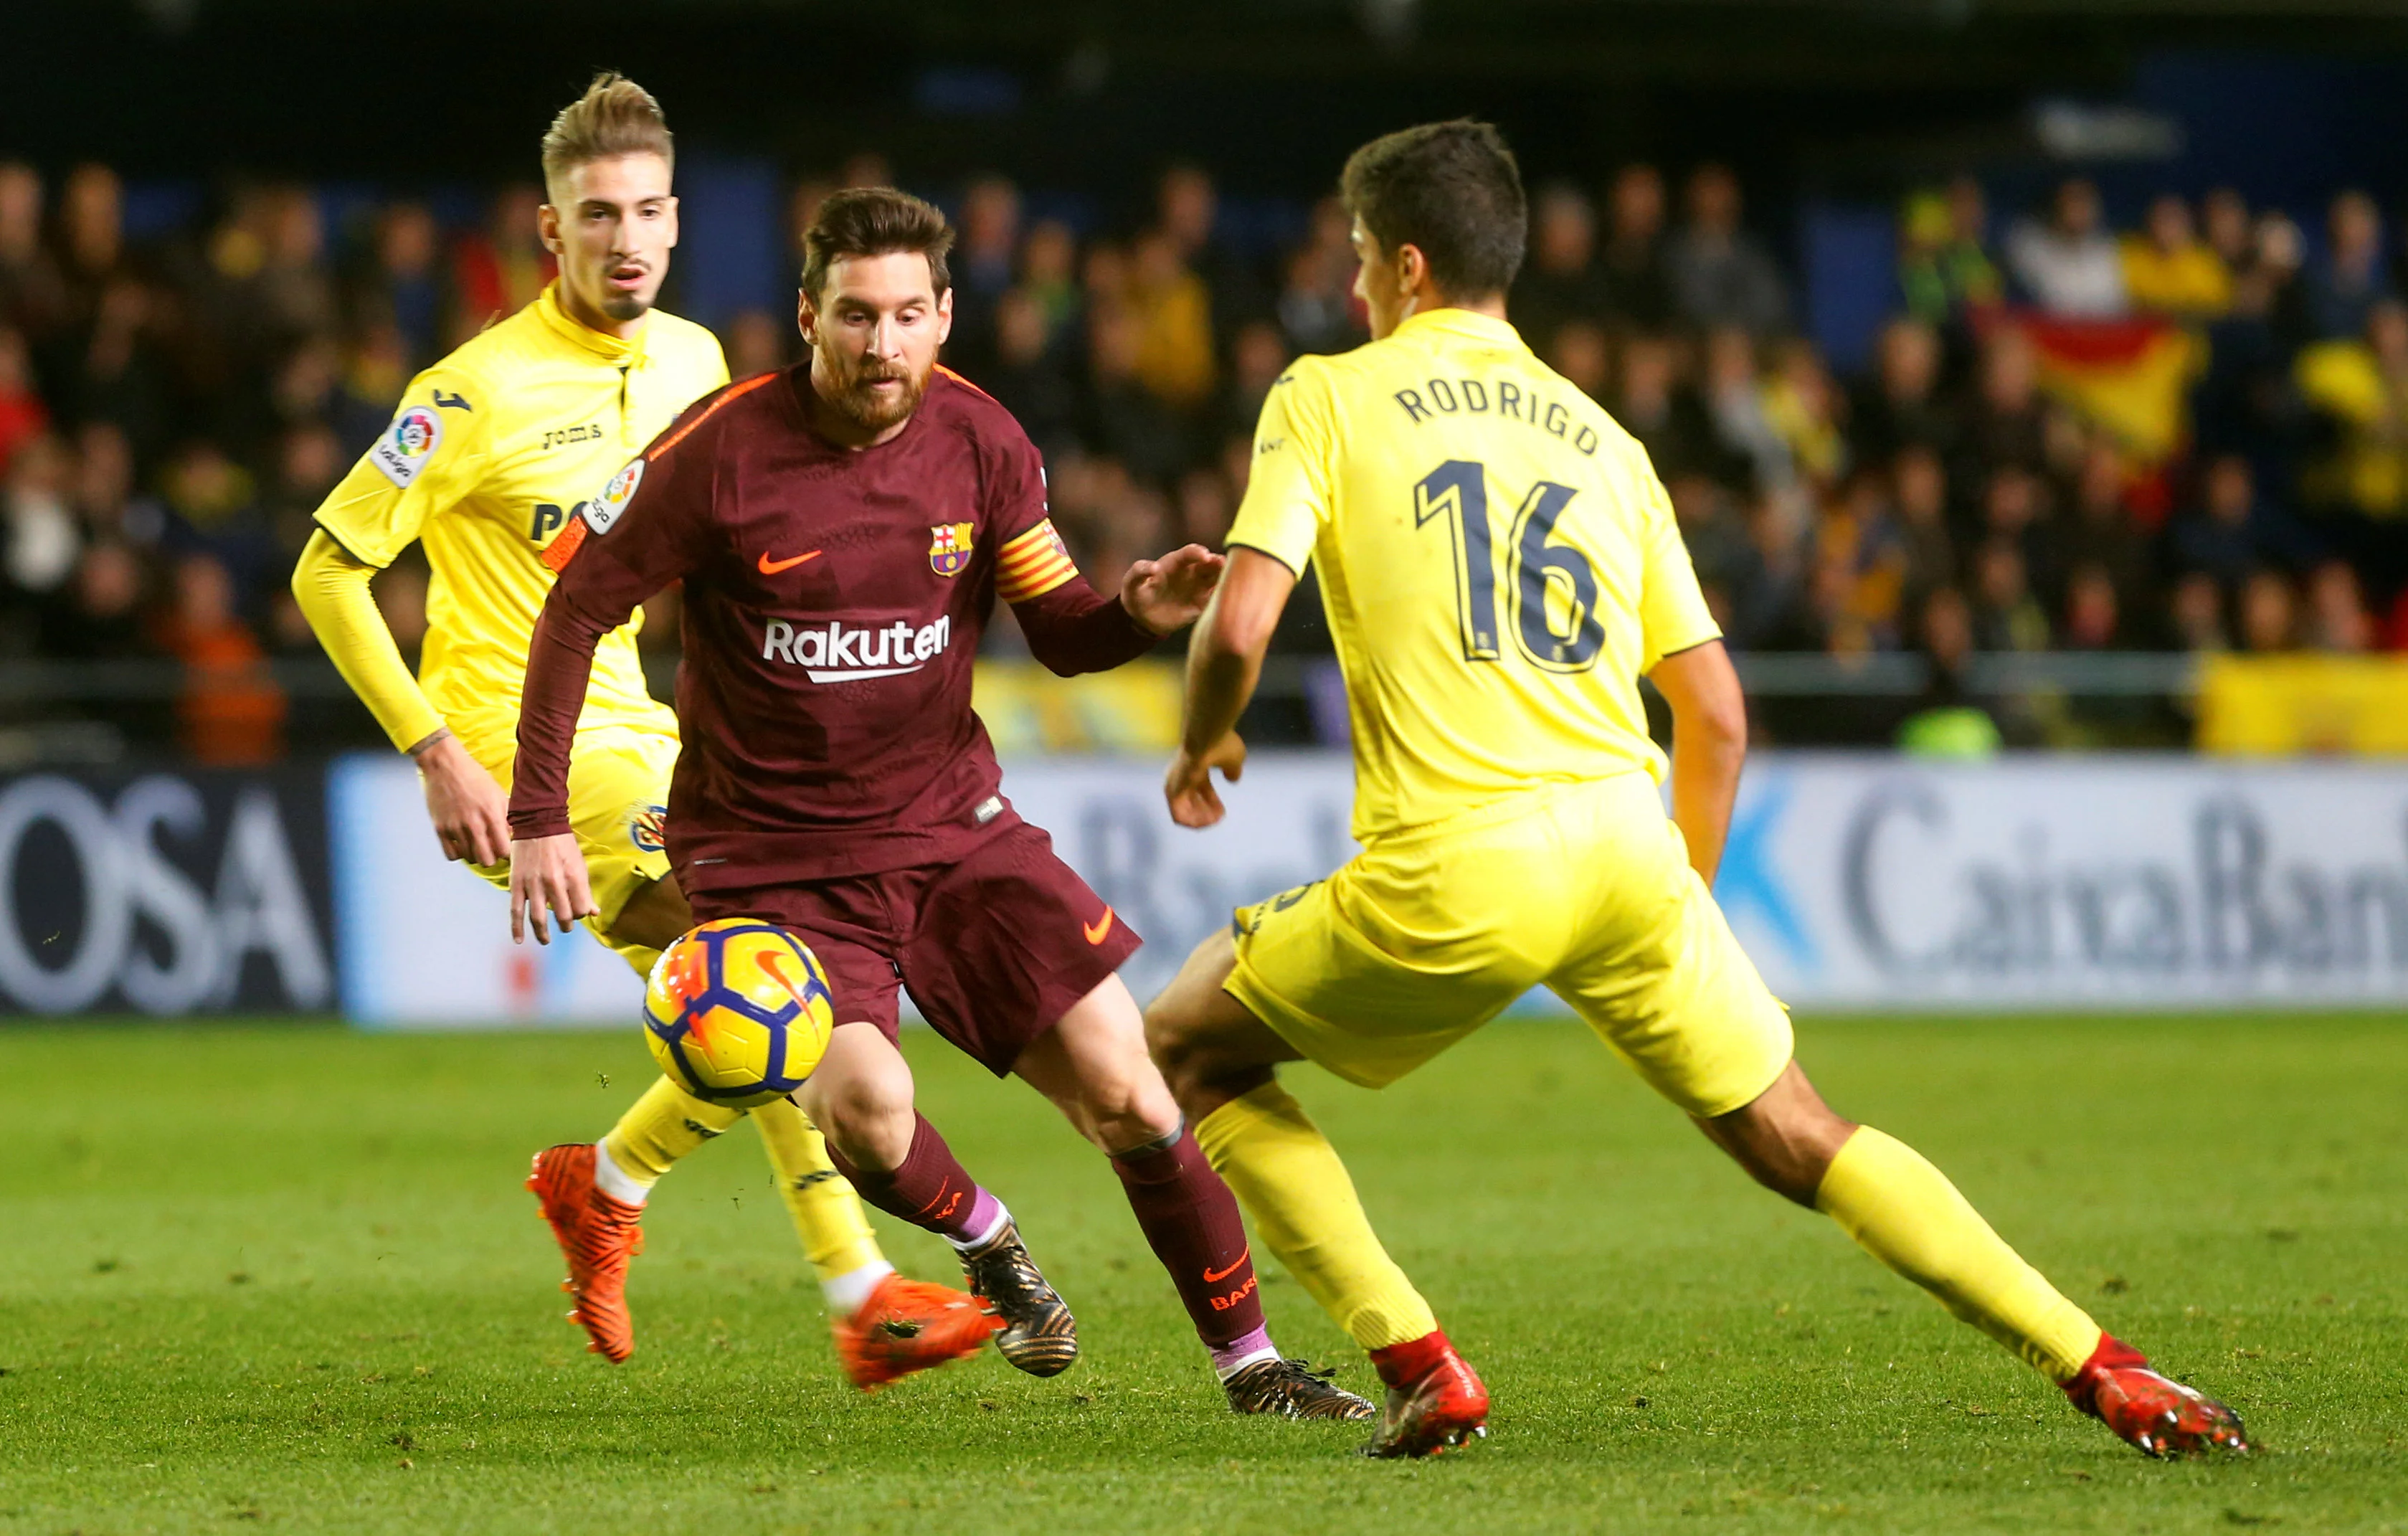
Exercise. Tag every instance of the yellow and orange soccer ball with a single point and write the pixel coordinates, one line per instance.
(739, 1011)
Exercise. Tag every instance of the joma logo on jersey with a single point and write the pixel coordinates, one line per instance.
(832, 652)
(560, 437)
(948, 548)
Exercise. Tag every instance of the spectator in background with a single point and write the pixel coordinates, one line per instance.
(1648, 404)
(2197, 615)
(1638, 289)
(2344, 288)
(91, 231)
(400, 280)
(231, 711)
(2361, 389)
(2094, 611)
(2227, 228)
(43, 540)
(214, 509)
(1950, 719)
(1049, 265)
(1257, 357)
(1804, 407)
(2008, 423)
(98, 615)
(1126, 419)
(22, 415)
(1944, 268)
(1187, 209)
(1919, 492)
(1902, 405)
(1030, 378)
(1560, 283)
(1206, 508)
(309, 461)
(2168, 271)
(2103, 535)
(113, 369)
(2338, 621)
(1720, 275)
(982, 270)
(802, 210)
(2016, 511)
(1754, 454)
(2268, 613)
(2006, 615)
(758, 342)
(2069, 266)
(2231, 532)
(1581, 355)
(106, 501)
(30, 294)
(1859, 543)
(1316, 304)
(500, 270)
(1172, 311)
(376, 369)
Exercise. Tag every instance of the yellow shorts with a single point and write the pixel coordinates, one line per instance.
(1586, 890)
(618, 803)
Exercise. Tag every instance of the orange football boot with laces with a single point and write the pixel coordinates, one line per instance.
(908, 1326)
(2156, 1414)
(597, 1235)
(1436, 1402)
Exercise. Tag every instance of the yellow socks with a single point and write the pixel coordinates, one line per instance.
(667, 1123)
(828, 1214)
(1906, 1213)
(659, 1128)
(1291, 1183)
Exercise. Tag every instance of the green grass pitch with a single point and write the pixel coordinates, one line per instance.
(284, 1278)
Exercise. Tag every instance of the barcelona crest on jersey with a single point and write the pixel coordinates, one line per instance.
(950, 550)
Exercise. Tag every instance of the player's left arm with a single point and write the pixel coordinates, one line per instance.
(1287, 502)
(1687, 662)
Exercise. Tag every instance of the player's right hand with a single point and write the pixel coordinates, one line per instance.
(1188, 785)
(548, 874)
(470, 813)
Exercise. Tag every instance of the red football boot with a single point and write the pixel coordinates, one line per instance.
(908, 1326)
(2161, 1417)
(597, 1234)
(1435, 1401)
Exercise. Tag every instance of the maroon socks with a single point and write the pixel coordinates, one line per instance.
(1191, 1220)
(930, 1189)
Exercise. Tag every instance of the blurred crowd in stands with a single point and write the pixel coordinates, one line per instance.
(171, 412)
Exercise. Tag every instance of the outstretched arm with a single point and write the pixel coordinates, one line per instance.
(1708, 745)
(470, 811)
(1072, 628)
(1225, 661)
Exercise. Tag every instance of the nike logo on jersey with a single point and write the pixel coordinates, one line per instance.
(1095, 932)
(1211, 1278)
(452, 402)
(772, 567)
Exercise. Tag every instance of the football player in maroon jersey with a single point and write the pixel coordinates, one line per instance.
(842, 530)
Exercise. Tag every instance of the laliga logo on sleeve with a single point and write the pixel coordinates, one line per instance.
(405, 447)
(604, 509)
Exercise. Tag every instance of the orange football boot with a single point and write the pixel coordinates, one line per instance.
(1436, 1402)
(908, 1326)
(2156, 1414)
(597, 1234)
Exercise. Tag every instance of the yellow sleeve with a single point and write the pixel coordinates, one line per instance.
(1672, 612)
(425, 459)
(1288, 487)
(332, 591)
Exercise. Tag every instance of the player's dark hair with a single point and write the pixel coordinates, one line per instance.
(875, 221)
(1452, 191)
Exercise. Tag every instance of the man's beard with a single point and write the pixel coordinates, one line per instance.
(855, 401)
(624, 307)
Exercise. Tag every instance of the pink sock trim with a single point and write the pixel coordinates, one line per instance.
(1230, 1355)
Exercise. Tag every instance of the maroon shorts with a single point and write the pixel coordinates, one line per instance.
(996, 948)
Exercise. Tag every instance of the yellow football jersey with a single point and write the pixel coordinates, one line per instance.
(1499, 562)
(486, 461)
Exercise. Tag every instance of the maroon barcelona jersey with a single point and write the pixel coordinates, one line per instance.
(834, 601)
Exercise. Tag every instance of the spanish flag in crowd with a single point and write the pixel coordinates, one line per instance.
(2128, 377)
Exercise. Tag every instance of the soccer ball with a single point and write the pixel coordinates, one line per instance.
(737, 1012)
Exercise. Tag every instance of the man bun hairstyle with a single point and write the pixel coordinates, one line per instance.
(614, 116)
(875, 221)
(1452, 191)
